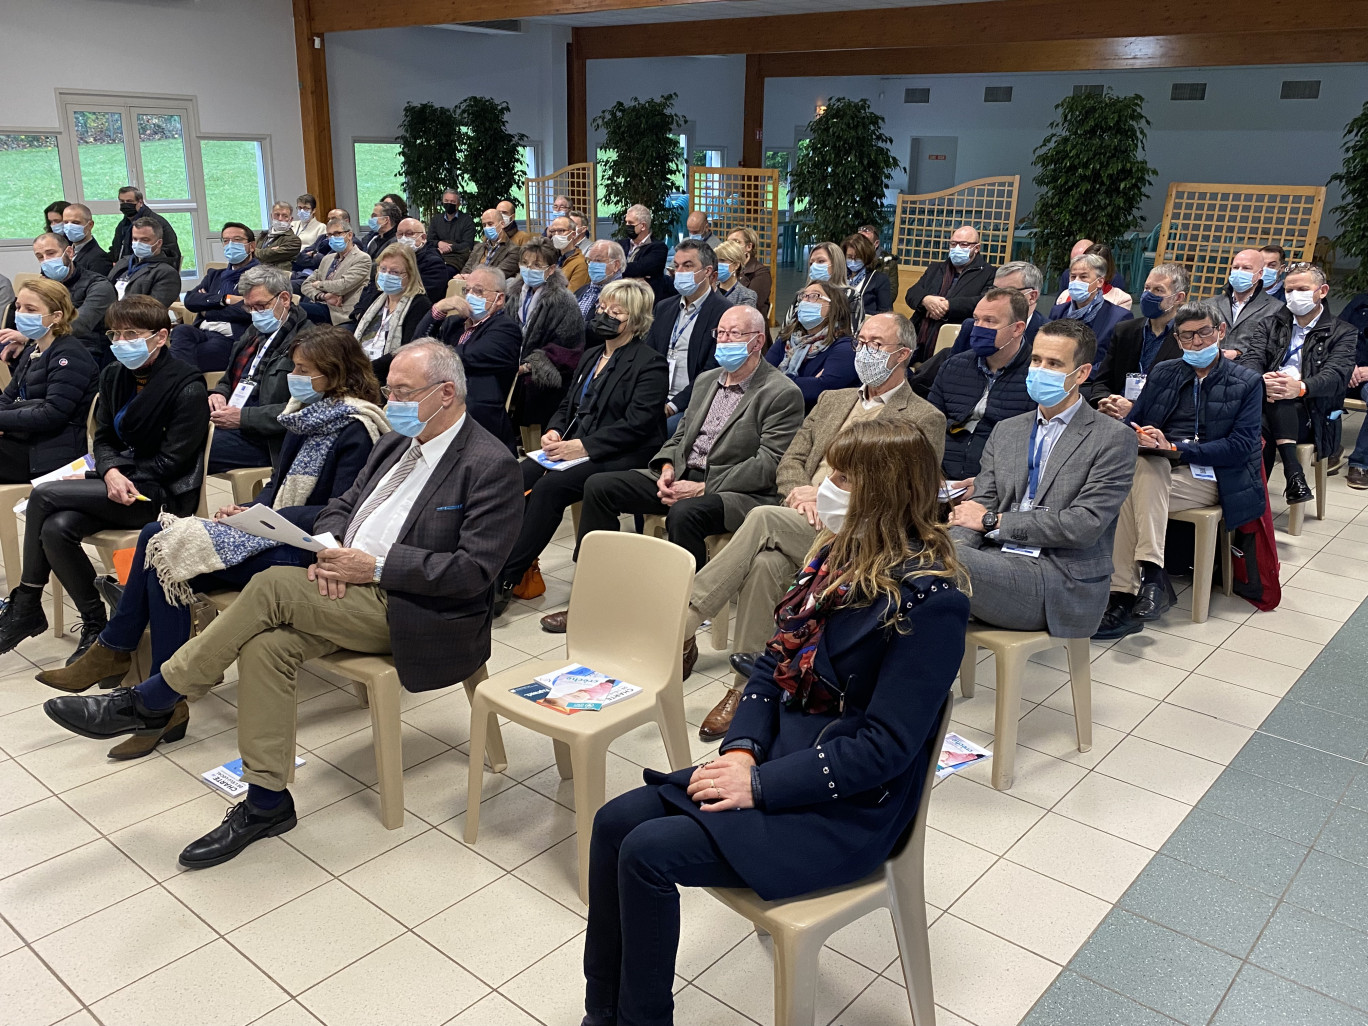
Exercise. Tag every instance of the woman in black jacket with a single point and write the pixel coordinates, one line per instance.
(612, 416)
(870, 286)
(43, 408)
(151, 425)
(553, 336)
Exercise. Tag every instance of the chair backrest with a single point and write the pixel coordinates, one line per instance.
(455, 287)
(907, 865)
(945, 337)
(90, 423)
(22, 278)
(212, 378)
(627, 607)
(202, 510)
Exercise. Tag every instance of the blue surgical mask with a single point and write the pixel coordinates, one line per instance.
(337, 243)
(236, 252)
(1269, 278)
(132, 353)
(959, 255)
(1047, 387)
(724, 272)
(684, 283)
(598, 270)
(854, 267)
(491, 233)
(810, 314)
(265, 321)
(74, 232)
(983, 341)
(55, 269)
(1080, 292)
(819, 272)
(142, 250)
(403, 417)
(373, 224)
(302, 215)
(1241, 280)
(532, 276)
(731, 355)
(389, 283)
(30, 325)
(695, 235)
(1202, 357)
(301, 388)
(478, 305)
(1151, 306)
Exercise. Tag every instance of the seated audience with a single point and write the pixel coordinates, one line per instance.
(52, 215)
(1197, 422)
(700, 228)
(332, 422)
(43, 408)
(216, 299)
(1036, 538)
(1141, 343)
(613, 415)
(552, 337)
(1111, 292)
(278, 245)
(1025, 278)
(383, 226)
(730, 256)
(91, 295)
(336, 285)
(311, 256)
(827, 263)
(1243, 304)
(507, 208)
(494, 249)
(78, 226)
(1306, 356)
(391, 321)
(432, 269)
(1085, 302)
(870, 286)
(133, 208)
(245, 406)
(829, 749)
(561, 233)
(453, 230)
(886, 262)
(683, 329)
(604, 263)
(752, 273)
(645, 256)
(985, 385)
(1274, 267)
(408, 578)
(581, 237)
(151, 423)
(560, 206)
(757, 565)
(1115, 279)
(398, 202)
(948, 292)
(816, 349)
(306, 224)
(147, 270)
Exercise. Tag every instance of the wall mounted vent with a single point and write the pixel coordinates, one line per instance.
(1188, 91)
(997, 94)
(916, 96)
(1089, 90)
(1306, 90)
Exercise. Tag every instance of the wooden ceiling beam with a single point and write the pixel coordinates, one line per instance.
(352, 15)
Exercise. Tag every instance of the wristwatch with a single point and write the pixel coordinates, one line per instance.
(990, 521)
(379, 569)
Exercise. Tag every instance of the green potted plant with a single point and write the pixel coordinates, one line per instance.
(491, 157)
(1352, 211)
(429, 144)
(843, 171)
(643, 158)
(1092, 174)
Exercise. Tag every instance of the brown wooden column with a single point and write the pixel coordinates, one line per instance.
(753, 114)
(315, 119)
(577, 100)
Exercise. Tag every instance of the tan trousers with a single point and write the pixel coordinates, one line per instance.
(756, 568)
(277, 624)
(1159, 488)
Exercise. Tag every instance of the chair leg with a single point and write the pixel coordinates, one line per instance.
(674, 730)
(564, 764)
(1322, 467)
(720, 629)
(362, 695)
(1205, 540)
(480, 717)
(968, 668)
(388, 741)
(795, 976)
(9, 541)
(1080, 682)
(908, 906)
(1227, 561)
(1010, 667)
(590, 760)
(498, 758)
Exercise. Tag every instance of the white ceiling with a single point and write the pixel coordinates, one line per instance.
(731, 9)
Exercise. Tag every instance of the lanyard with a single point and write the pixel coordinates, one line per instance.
(489, 253)
(1034, 462)
(683, 325)
(261, 353)
(1197, 409)
(1297, 348)
(528, 295)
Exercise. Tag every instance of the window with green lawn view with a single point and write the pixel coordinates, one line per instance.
(377, 172)
(30, 179)
(235, 182)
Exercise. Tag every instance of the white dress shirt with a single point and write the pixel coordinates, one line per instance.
(677, 355)
(1293, 362)
(381, 529)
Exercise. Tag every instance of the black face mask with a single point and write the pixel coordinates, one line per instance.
(450, 208)
(604, 327)
(128, 209)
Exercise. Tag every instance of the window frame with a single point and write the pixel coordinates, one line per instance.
(359, 221)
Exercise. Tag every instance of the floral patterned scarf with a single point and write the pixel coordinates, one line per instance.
(801, 618)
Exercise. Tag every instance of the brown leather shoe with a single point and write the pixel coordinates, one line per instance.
(145, 743)
(1357, 477)
(96, 665)
(715, 724)
(554, 623)
(690, 654)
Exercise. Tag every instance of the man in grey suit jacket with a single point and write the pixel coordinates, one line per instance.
(722, 459)
(1243, 303)
(421, 536)
(1036, 538)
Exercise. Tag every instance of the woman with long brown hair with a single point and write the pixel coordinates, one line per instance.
(821, 772)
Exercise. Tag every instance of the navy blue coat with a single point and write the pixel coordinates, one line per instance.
(1229, 419)
(206, 298)
(962, 339)
(1106, 319)
(347, 458)
(833, 367)
(957, 389)
(840, 789)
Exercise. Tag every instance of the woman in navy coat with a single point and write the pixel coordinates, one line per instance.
(816, 348)
(822, 770)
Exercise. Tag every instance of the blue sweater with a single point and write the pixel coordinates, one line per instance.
(833, 367)
(206, 298)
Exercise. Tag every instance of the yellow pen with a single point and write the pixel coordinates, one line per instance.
(140, 497)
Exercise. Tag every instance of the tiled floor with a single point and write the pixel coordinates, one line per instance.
(340, 921)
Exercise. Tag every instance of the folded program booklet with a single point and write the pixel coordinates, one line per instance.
(228, 778)
(576, 688)
(957, 753)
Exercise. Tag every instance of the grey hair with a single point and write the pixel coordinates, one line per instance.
(614, 250)
(1031, 278)
(440, 363)
(643, 213)
(1091, 261)
(340, 222)
(498, 280)
(907, 334)
(754, 318)
(1175, 274)
(1302, 267)
(266, 276)
(1199, 310)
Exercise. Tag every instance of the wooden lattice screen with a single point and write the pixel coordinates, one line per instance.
(924, 223)
(741, 197)
(575, 182)
(1205, 225)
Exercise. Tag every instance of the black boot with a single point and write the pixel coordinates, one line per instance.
(111, 591)
(91, 629)
(503, 597)
(22, 617)
(1297, 488)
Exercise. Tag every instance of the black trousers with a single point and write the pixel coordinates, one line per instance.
(687, 523)
(14, 461)
(207, 350)
(549, 494)
(59, 515)
(1284, 418)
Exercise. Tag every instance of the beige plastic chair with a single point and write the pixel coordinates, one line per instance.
(455, 287)
(1356, 406)
(800, 926)
(22, 278)
(1210, 536)
(1012, 649)
(1306, 456)
(182, 313)
(654, 526)
(212, 378)
(945, 336)
(246, 482)
(627, 611)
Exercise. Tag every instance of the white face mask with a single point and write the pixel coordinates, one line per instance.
(1301, 302)
(832, 504)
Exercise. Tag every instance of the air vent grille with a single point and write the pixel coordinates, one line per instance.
(1305, 90)
(1188, 91)
(997, 94)
(916, 95)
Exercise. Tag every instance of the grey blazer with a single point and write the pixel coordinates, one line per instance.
(1082, 487)
(1238, 330)
(745, 457)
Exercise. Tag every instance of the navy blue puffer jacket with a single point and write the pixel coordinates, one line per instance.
(957, 390)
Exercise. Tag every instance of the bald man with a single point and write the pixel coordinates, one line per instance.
(434, 271)
(1243, 303)
(949, 290)
(700, 228)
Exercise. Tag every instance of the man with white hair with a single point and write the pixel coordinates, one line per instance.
(434, 271)
(420, 537)
(1085, 302)
(561, 232)
(605, 263)
(645, 255)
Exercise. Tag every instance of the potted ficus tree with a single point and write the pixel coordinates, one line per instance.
(491, 157)
(843, 171)
(640, 157)
(429, 146)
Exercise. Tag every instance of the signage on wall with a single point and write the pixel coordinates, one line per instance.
(935, 156)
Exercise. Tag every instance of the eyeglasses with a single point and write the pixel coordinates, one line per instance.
(127, 334)
(404, 395)
(872, 343)
(814, 297)
(1202, 333)
(727, 335)
(410, 235)
(338, 235)
(479, 291)
(258, 307)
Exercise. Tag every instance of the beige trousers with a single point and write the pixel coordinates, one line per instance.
(756, 568)
(277, 624)
(1159, 488)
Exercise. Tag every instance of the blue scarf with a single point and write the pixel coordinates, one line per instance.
(1088, 313)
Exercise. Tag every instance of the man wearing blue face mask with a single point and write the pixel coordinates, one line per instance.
(1087, 277)
(1142, 342)
(147, 271)
(335, 287)
(700, 229)
(90, 293)
(605, 261)
(1244, 304)
(1036, 537)
(1275, 265)
(949, 291)
(493, 248)
(682, 330)
(384, 226)
(1197, 422)
(221, 318)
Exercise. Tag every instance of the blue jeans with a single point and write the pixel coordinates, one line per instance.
(144, 603)
(641, 849)
(1360, 456)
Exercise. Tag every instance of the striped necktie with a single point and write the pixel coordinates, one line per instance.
(400, 474)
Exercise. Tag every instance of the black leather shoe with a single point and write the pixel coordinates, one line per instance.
(110, 590)
(1155, 599)
(103, 716)
(1116, 623)
(242, 825)
(21, 618)
(90, 633)
(744, 662)
(1298, 490)
(503, 597)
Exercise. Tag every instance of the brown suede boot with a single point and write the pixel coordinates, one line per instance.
(144, 742)
(97, 665)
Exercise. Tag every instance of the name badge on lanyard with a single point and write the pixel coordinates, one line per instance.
(1033, 475)
(1135, 384)
(242, 393)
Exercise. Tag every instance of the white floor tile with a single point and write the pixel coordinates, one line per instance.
(1163, 770)
(516, 825)
(1041, 915)
(422, 877)
(29, 993)
(1194, 732)
(983, 978)
(1124, 810)
(264, 877)
(494, 1010)
(1081, 856)
(1111, 706)
(18, 787)
(1250, 672)
(1277, 648)
(348, 833)
(1230, 702)
(744, 980)
(988, 819)
(38, 832)
(213, 986)
(66, 889)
